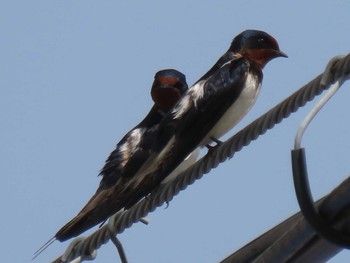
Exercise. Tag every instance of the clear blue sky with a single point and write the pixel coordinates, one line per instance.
(76, 76)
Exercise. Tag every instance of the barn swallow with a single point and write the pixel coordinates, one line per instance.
(209, 109)
(127, 158)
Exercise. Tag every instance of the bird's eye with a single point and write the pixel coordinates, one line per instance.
(261, 40)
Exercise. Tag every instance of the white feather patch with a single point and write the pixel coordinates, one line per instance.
(129, 147)
(190, 99)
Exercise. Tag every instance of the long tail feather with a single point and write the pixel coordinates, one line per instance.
(101, 206)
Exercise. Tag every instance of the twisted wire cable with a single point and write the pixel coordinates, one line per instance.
(85, 248)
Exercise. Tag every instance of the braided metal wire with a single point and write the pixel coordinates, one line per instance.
(85, 248)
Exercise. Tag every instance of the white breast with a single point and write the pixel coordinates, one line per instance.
(237, 110)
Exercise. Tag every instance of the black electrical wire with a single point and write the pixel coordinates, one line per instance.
(301, 181)
(306, 202)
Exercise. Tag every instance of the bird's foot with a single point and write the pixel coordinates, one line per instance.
(167, 204)
(211, 148)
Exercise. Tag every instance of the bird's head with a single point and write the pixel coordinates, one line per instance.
(256, 46)
(167, 88)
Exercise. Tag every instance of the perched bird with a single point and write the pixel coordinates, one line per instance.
(209, 109)
(214, 104)
(128, 157)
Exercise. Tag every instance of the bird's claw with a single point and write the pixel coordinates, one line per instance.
(211, 148)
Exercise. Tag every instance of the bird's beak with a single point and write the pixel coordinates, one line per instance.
(279, 53)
